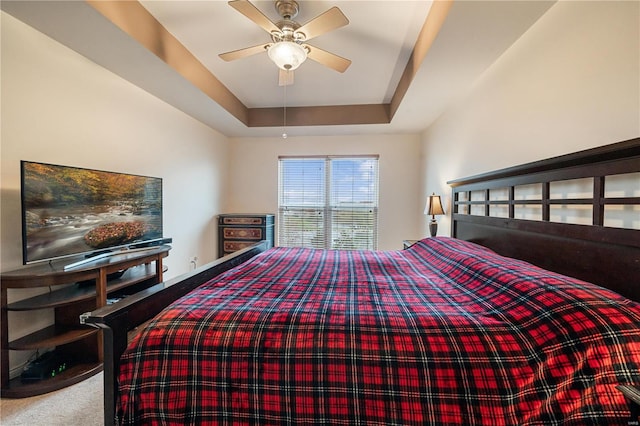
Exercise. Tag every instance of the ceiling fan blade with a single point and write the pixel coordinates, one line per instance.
(285, 78)
(243, 53)
(327, 59)
(250, 11)
(328, 21)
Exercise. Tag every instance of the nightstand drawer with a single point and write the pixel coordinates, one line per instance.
(243, 233)
(231, 246)
(242, 220)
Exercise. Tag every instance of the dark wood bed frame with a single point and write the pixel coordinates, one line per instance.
(609, 257)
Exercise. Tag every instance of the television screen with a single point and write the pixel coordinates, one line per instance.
(68, 211)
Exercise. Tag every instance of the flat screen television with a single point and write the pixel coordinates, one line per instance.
(71, 211)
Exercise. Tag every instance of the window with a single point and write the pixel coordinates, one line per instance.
(328, 202)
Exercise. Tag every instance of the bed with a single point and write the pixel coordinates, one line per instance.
(511, 321)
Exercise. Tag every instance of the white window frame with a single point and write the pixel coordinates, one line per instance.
(297, 223)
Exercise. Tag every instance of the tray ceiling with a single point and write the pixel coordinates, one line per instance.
(170, 48)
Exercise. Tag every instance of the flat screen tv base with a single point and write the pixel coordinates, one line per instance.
(132, 248)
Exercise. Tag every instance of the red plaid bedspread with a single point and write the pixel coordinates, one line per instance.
(443, 333)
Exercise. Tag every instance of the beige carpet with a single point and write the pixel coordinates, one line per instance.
(80, 404)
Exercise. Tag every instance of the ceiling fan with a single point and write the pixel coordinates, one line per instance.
(289, 48)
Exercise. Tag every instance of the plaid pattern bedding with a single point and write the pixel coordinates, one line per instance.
(443, 333)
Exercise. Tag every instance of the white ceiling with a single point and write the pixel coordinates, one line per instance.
(378, 40)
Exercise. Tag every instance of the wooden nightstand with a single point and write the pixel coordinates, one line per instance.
(408, 243)
(239, 230)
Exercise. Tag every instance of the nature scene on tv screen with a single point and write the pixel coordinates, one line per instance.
(69, 210)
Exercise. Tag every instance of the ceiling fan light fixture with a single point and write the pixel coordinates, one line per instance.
(287, 55)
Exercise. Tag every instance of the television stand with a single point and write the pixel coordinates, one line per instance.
(80, 343)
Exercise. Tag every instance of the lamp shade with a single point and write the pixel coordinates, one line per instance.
(434, 205)
(287, 55)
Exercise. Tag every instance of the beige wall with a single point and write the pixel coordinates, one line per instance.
(253, 178)
(572, 82)
(59, 107)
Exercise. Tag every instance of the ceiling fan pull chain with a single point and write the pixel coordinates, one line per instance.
(284, 126)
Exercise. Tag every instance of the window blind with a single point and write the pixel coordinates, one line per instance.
(328, 202)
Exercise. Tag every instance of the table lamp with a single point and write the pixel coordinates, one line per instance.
(433, 207)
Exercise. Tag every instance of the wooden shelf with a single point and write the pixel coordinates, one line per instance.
(84, 288)
(133, 276)
(81, 292)
(16, 388)
(49, 337)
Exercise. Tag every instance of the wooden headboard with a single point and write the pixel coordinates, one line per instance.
(520, 212)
